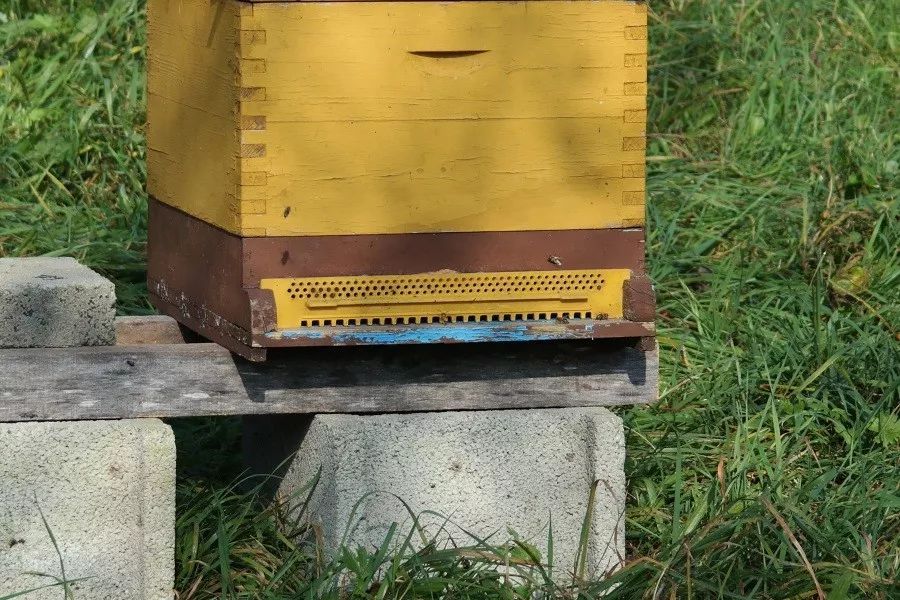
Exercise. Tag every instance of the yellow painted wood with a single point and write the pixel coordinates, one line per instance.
(447, 296)
(192, 136)
(485, 175)
(400, 117)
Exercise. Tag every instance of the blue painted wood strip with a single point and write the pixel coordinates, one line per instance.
(451, 333)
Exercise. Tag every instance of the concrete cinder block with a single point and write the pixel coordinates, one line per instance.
(107, 491)
(54, 303)
(485, 470)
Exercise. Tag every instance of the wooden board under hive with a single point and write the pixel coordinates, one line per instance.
(398, 172)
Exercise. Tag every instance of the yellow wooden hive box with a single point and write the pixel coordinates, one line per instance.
(398, 172)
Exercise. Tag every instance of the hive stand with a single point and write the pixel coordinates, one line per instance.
(459, 476)
(103, 491)
(490, 435)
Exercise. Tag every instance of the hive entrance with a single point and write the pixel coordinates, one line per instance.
(446, 297)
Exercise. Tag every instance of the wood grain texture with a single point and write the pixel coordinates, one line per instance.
(430, 116)
(192, 99)
(205, 379)
(151, 329)
(435, 117)
(443, 175)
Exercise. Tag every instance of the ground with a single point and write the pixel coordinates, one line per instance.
(769, 467)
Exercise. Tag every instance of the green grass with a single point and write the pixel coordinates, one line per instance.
(768, 469)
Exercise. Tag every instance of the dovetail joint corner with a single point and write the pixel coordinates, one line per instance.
(253, 122)
(636, 116)
(634, 198)
(252, 94)
(637, 32)
(635, 60)
(253, 150)
(635, 88)
(634, 171)
(634, 143)
(252, 37)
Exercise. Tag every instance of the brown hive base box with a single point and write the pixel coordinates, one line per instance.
(209, 280)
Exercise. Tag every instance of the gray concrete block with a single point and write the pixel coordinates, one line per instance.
(485, 470)
(107, 491)
(54, 303)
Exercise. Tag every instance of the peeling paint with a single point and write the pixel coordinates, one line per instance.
(502, 331)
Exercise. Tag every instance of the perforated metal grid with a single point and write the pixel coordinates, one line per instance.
(447, 297)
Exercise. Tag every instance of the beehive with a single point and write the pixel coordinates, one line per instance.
(398, 172)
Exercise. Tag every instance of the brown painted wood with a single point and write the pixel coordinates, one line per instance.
(202, 254)
(208, 279)
(176, 380)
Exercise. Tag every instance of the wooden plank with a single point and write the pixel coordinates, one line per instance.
(175, 380)
(150, 329)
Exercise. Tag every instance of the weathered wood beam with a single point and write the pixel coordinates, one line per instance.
(150, 329)
(175, 380)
